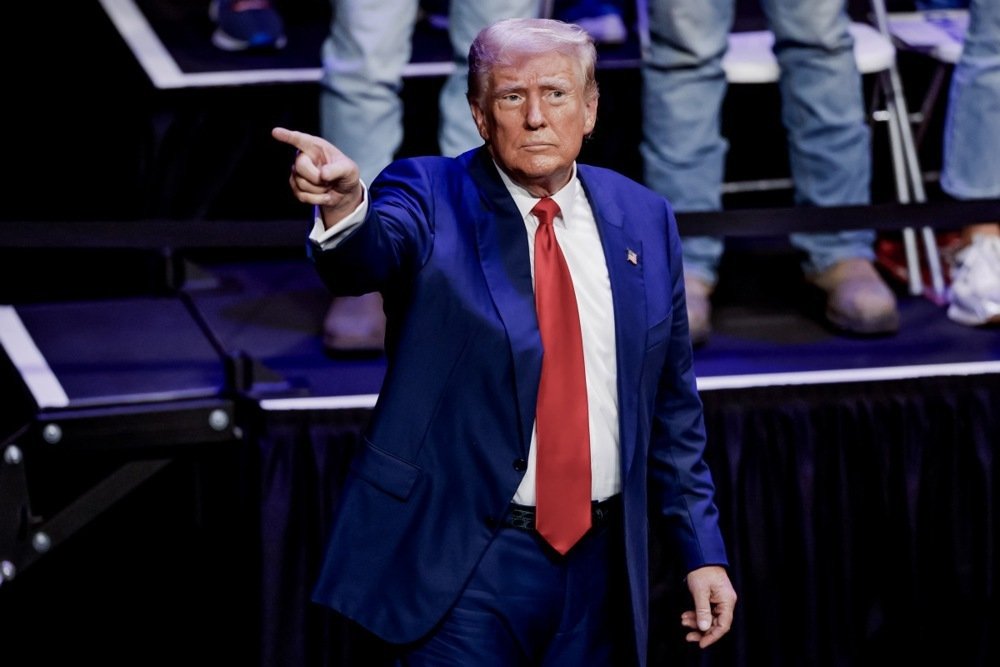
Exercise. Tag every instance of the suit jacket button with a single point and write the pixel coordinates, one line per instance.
(520, 465)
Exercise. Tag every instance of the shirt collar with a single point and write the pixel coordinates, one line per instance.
(566, 197)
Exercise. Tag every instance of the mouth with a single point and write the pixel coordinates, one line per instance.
(536, 147)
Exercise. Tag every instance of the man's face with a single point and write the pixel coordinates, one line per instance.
(534, 117)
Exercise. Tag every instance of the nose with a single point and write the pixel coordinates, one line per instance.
(534, 116)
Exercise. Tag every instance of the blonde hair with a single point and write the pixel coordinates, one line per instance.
(498, 45)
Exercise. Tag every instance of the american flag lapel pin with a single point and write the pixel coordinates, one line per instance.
(632, 256)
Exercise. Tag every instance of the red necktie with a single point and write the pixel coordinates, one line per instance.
(562, 459)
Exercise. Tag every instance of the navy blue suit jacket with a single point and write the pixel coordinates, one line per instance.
(446, 246)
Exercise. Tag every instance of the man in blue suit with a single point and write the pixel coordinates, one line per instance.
(446, 541)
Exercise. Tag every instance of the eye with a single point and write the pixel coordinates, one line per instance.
(557, 96)
(509, 100)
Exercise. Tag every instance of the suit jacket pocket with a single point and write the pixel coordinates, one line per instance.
(658, 333)
(384, 471)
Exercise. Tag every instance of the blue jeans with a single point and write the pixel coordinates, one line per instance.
(971, 142)
(368, 45)
(823, 114)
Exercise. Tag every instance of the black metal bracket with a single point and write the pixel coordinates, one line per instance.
(25, 537)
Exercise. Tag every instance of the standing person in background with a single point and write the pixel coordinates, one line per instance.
(823, 113)
(540, 395)
(971, 160)
(361, 112)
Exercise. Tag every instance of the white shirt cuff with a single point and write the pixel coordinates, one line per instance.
(329, 238)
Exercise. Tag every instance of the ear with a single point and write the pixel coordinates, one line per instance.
(479, 116)
(590, 115)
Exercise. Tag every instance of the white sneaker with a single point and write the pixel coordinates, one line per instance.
(975, 285)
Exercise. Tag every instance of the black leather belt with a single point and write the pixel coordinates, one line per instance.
(523, 516)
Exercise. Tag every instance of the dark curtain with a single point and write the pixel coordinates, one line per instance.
(303, 458)
(861, 521)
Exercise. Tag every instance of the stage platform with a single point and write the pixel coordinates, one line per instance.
(172, 42)
(769, 331)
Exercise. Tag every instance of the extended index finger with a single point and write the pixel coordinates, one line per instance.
(299, 140)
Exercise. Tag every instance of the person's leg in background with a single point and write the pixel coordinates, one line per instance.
(971, 164)
(361, 113)
(363, 59)
(457, 132)
(682, 148)
(830, 156)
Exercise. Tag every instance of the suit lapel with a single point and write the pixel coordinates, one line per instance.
(503, 252)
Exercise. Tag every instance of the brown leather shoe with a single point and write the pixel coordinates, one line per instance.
(699, 308)
(355, 324)
(857, 299)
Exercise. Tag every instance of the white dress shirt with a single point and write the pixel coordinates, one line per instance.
(576, 232)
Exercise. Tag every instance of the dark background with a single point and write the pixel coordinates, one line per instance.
(88, 137)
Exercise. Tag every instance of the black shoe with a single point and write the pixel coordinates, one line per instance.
(246, 24)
